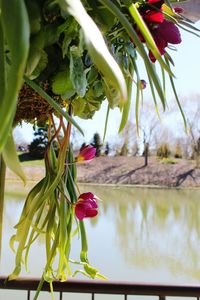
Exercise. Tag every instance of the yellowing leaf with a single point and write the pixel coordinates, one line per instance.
(11, 159)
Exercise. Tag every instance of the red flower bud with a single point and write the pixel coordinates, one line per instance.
(154, 16)
(178, 10)
(86, 153)
(86, 206)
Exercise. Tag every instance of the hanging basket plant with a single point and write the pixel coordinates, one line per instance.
(64, 58)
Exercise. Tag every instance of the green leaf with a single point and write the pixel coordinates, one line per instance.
(77, 74)
(15, 24)
(92, 75)
(84, 245)
(97, 48)
(2, 63)
(137, 100)
(139, 46)
(52, 102)
(127, 105)
(98, 89)
(41, 65)
(2, 188)
(70, 30)
(11, 159)
(90, 270)
(36, 51)
(62, 85)
(112, 95)
(177, 99)
(78, 105)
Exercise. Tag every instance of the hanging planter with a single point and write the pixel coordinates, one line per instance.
(64, 58)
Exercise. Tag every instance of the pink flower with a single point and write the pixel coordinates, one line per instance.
(86, 153)
(166, 32)
(169, 32)
(155, 1)
(86, 206)
(179, 10)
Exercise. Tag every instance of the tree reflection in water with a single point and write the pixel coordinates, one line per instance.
(152, 229)
(156, 227)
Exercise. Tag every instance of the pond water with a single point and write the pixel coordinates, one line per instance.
(140, 235)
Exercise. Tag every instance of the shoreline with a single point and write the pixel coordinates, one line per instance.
(125, 172)
(113, 185)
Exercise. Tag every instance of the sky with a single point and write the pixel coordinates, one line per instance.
(187, 68)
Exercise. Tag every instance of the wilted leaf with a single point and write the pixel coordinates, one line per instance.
(77, 74)
(11, 159)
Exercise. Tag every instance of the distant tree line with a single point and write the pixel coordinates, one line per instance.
(148, 138)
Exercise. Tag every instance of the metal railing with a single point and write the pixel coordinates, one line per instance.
(103, 287)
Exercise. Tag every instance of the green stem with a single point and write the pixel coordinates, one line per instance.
(2, 188)
(84, 248)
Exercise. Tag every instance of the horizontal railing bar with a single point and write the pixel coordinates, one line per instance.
(104, 287)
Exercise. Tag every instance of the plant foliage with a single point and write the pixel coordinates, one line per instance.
(64, 58)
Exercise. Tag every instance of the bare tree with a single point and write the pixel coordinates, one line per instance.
(194, 135)
(148, 127)
(129, 139)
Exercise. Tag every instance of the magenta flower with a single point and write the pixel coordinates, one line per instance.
(86, 153)
(86, 206)
(178, 10)
(162, 30)
(166, 32)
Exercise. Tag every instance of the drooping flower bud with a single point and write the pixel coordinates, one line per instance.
(179, 10)
(86, 206)
(143, 84)
(86, 153)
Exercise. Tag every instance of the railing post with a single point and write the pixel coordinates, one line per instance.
(28, 295)
(125, 297)
(162, 297)
(61, 296)
(92, 296)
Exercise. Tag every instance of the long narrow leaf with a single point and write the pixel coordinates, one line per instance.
(137, 100)
(139, 46)
(2, 63)
(97, 47)
(177, 99)
(15, 24)
(188, 30)
(153, 76)
(106, 121)
(189, 26)
(154, 96)
(127, 105)
(11, 159)
(2, 188)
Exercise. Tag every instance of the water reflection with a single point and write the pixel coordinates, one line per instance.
(140, 234)
(156, 229)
